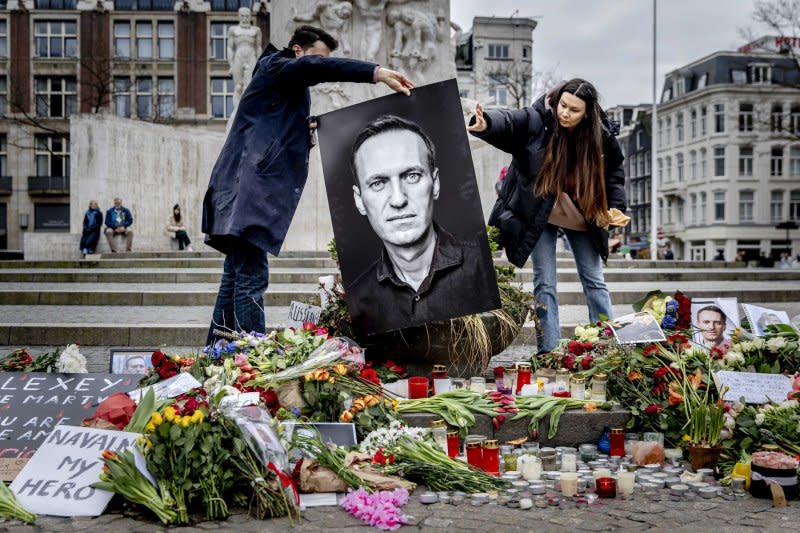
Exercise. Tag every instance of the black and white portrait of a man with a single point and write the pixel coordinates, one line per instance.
(406, 214)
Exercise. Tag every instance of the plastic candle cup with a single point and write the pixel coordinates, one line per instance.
(569, 484)
(626, 481)
(417, 387)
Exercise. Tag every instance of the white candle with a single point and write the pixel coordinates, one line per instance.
(625, 481)
(568, 462)
(532, 470)
(601, 472)
(569, 484)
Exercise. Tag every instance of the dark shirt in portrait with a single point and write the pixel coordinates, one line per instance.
(461, 281)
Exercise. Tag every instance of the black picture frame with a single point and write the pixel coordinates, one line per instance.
(118, 358)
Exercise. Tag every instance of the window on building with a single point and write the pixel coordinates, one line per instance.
(166, 40)
(147, 45)
(122, 39)
(679, 126)
(703, 207)
(738, 76)
(679, 207)
(660, 171)
(746, 200)
(122, 97)
(221, 97)
(500, 95)
(719, 206)
(56, 38)
(148, 5)
(668, 131)
(746, 116)
(693, 165)
(761, 73)
(703, 115)
(666, 96)
(640, 164)
(668, 164)
(678, 86)
(219, 39)
(794, 205)
(55, 96)
(3, 95)
(776, 161)
(52, 155)
(702, 81)
(3, 37)
(660, 132)
(669, 211)
(794, 161)
(647, 157)
(51, 217)
(776, 118)
(719, 161)
(776, 206)
(745, 160)
(3, 156)
(54, 4)
(661, 211)
(166, 97)
(794, 119)
(526, 52)
(144, 97)
(703, 163)
(693, 123)
(499, 51)
(228, 5)
(144, 40)
(692, 208)
(719, 118)
(679, 165)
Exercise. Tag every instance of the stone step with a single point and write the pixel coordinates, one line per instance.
(311, 275)
(569, 293)
(144, 326)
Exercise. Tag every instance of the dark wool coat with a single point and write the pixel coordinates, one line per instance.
(518, 214)
(259, 176)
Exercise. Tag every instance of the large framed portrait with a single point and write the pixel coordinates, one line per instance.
(714, 320)
(406, 213)
(131, 361)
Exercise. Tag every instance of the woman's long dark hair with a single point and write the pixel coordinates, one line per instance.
(178, 214)
(573, 161)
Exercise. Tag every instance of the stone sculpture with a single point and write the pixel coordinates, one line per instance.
(244, 47)
(333, 17)
(372, 12)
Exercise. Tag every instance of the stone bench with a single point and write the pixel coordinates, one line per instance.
(64, 246)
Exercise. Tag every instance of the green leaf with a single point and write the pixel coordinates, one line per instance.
(174, 432)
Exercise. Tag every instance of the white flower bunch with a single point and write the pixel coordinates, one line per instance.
(71, 361)
(759, 418)
(388, 437)
(733, 359)
(587, 333)
(775, 344)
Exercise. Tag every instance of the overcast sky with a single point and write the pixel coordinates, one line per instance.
(609, 42)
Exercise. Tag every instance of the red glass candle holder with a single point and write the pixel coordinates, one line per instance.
(453, 444)
(606, 487)
(523, 376)
(491, 457)
(474, 454)
(438, 372)
(417, 387)
(617, 440)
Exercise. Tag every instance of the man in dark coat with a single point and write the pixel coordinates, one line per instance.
(259, 176)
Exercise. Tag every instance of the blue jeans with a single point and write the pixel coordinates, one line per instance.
(240, 300)
(545, 277)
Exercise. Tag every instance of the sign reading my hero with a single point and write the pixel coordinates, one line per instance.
(32, 404)
(58, 478)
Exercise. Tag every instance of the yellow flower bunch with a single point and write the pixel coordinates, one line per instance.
(171, 417)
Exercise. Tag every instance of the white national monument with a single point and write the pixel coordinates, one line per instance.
(152, 166)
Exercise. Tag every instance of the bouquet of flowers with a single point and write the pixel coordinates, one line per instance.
(671, 312)
(386, 438)
(458, 407)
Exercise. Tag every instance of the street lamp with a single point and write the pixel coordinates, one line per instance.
(653, 143)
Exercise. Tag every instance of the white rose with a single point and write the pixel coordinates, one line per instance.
(725, 434)
(729, 422)
(759, 419)
(759, 343)
(776, 343)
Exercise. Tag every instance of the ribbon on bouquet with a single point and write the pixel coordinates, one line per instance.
(286, 481)
(782, 481)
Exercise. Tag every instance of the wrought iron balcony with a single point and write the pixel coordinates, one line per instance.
(48, 185)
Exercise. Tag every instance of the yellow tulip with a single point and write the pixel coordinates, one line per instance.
(156, 419)
(186, 421)
(169, 413)
(149, 428)
(340, 369)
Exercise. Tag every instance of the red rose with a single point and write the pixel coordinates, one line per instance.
(587, 346)
(190, 406)
(167, 370)
(716, 353)
(158, 358)
(309, 326)
(321, 332)
(661, 372)
(677, 338)
(370, 375)
(568, 362)
(653, 409)
(586, 362)
(575, 347)
(659, 389)
(650, 350)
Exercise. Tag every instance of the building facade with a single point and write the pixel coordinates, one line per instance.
(494, 61)
(728, 166)
(151, 60)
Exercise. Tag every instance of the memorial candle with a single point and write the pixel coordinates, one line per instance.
(626, 481)
(491, 457)
(569, 484)
(606, 487)
(617, 443)
(475, 453)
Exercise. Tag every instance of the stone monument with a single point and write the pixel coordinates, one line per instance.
(244, 47)
(335, 18)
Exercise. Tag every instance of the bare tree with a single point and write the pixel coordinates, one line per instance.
(515, 76)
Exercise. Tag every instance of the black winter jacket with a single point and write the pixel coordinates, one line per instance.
(518, 214)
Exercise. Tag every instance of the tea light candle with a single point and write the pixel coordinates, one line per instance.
(679, 490)
(428, 498)
(569, 462)
(697, 485)
(707, 492)
(569, 484)
(738, 484)
(626, 482)
(672, 481)
(601, 472)
(532, 470)
(606, 487)
(673, 455)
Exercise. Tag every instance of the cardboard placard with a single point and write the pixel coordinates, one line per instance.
(299, 313)
(753, 387)
(9, 468)
(32, 404)
(57, 480)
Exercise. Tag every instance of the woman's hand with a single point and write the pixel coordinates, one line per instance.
(480, 121)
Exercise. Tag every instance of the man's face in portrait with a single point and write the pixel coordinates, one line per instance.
(135, 365)
(711, 324)
(396, 188)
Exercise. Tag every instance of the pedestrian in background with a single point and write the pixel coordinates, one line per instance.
(566, 171)
(92, 224)
(176, 227)
(118, 222)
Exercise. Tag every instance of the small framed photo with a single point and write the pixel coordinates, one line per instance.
(637, 328)
(131, 361)
(761, 317)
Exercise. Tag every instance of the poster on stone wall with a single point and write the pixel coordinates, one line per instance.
(406, 213)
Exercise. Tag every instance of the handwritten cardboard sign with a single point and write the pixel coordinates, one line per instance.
(9, 468)
(32, 404)
(57, 480)
(753, 387)
(300, 313)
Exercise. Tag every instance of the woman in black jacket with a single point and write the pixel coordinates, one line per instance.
(92, 222)
(562, 148)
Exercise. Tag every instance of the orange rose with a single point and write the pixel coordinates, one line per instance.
(675, 398)
(633, 375)
(372, 400)
(340, 369)
(347, 416)
(359, 404)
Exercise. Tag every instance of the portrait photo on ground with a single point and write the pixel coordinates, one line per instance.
(714, 320)
(406, 213)
(127, 361)
(761, 317)
(637, 328)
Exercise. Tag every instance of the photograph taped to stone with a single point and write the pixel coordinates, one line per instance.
(761, 317)
(637, 328)
(714, 320)
(407, 218)
(128, 361)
